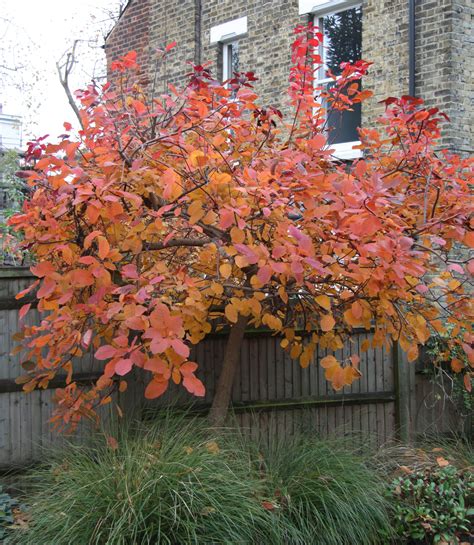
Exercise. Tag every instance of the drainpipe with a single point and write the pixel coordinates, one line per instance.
(197, 31)
(411, 47)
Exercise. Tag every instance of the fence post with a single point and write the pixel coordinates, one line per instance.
(402, 393)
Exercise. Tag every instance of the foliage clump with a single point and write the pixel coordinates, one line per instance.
(323, 492)
(12, 195)
(434, 505)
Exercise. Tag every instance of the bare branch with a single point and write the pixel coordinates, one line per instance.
(64, 71)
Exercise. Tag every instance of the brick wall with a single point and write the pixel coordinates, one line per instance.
(131, 33)
(444, 49)
(265, 49)
(445, 65)
(385, 43)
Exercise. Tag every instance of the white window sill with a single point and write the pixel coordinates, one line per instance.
(345, 151)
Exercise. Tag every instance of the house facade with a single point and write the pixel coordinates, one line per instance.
(423, 48)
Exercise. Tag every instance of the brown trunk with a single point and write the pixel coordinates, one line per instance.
(221, 401)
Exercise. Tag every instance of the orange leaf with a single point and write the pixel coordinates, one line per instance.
(323, 301)
(327, 322)
(467, 382)
(156, 388)
(442, 462)
(104, 247)
(328, 362)
(42, 269)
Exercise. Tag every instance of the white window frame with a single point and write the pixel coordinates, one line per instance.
(326, 7)
(227, 35)
(226, 53)
(319, 9)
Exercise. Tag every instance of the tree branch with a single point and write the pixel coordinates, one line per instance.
(67, 66)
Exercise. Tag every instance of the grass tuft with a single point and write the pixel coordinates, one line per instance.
(176, 482)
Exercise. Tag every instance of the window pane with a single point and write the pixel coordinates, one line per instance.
(342, 43)
(230, 60)
(342, 126)
(342, 38)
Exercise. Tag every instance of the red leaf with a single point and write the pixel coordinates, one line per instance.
(112, 442)
(130, 271)
(188, 368)
(86, 338)
(47, 288)
(170, 46)
(194, 386)
(42, 269)
(123, 366)
(23, 311)
(22, 293)
(139, 107)
(105, 352)
(180, 348)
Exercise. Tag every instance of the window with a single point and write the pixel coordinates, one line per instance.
(340, 22)
(230, 59)
(226, 36)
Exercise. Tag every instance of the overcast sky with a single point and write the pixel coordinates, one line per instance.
(34, 34)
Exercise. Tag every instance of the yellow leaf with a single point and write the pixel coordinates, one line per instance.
(195, 211)
(350, 318)
(306, 356)
(284, 343)
(197, 158)
(212, 447)
(237, 235)
(327, 322)
(328, 361)
(241, 261)
(226, 270)
(323, 301)
(273, 322)
(412, 353)
(231, 313)
(217, 289)
(210, 218)
(295, 351)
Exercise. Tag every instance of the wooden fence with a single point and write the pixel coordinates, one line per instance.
(272, 394)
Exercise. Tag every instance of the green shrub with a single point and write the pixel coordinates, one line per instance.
(7, 505)
(434, 505)
(173, 484)
(323, 494)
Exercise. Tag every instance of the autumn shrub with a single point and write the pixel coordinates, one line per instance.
(173, 484)
(323, 493)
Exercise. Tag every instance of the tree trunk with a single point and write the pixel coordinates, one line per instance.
(221, 401)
